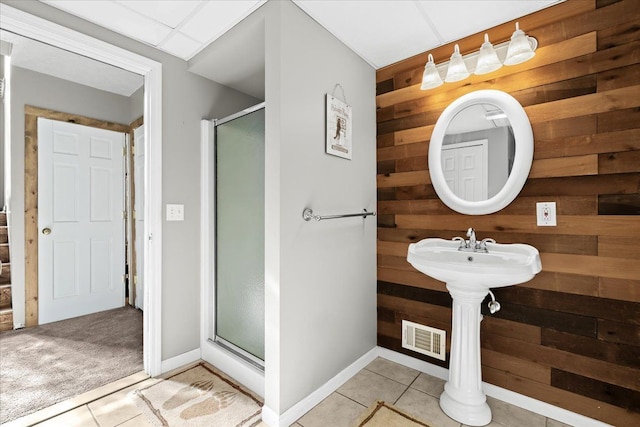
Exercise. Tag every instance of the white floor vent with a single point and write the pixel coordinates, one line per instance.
(424, 339)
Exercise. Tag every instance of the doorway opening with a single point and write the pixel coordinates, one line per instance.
(35, 28)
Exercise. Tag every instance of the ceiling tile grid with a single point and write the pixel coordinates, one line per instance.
(179, 27)
(380, 31)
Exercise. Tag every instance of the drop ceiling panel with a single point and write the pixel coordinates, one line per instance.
(180, 45)
(217, 17)
(381, 32)
(115, 17)
(168, 12)
(455, 20)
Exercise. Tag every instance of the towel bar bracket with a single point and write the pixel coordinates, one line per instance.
(307, 215)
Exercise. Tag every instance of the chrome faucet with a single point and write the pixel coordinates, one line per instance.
(471, 234)
(472, 245)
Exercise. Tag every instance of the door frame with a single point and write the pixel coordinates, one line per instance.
(132, 257)
(36, 28)
(31, 194)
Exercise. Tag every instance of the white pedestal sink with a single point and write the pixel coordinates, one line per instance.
(469, 275)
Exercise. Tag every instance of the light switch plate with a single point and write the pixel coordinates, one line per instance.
(175, 212)
(546, 214)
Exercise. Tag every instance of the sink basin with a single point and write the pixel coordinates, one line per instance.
(502, 265)
(469, 275)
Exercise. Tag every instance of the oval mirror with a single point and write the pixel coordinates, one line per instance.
(480, 152)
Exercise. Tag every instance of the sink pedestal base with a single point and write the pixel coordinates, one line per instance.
(463, 398)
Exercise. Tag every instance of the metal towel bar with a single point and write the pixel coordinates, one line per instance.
(307, 215)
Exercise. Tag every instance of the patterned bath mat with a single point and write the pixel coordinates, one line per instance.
(381, 414)
(199, 396)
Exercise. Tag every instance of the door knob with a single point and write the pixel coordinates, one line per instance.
(46, 231)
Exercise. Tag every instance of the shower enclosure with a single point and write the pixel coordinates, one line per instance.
(239, 234)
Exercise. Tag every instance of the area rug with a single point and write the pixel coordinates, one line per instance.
(381, 414)
(199, 396)
(47, 364)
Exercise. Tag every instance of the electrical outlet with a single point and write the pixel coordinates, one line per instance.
(175, 212)
(546, 214)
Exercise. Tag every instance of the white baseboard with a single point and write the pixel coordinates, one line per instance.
(305, 405)
(180, 360)
(412, 362)
(290, 416)
(540, 407)
(508, 396)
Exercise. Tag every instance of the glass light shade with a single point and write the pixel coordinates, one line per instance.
(487, 59)
(430, 78)
(457, 69)
(520, 49)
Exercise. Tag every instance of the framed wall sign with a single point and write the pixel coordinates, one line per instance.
(338, 128)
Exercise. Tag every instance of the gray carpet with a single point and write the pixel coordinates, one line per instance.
(50, 363)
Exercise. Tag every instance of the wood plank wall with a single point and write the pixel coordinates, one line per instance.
(570, 336)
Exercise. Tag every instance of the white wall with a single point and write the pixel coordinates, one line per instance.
(321, 276)
(186, 99)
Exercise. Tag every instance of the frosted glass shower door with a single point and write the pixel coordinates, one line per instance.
(239, 225)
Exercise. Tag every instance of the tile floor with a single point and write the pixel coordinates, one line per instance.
(412, 391)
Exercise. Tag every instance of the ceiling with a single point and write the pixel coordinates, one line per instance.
(380, 31)
(46, 59)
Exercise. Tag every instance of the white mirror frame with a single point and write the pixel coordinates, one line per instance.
(523, 136)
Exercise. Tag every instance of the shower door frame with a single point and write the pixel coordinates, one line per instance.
(243, 367)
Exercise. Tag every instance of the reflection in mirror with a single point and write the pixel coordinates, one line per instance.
(480, 152)
(477, 152)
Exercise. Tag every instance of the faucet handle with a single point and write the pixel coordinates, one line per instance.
(463, 243)
(483, 243)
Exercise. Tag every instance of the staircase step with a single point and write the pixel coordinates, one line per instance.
(3, 218)
(6, 320)
(5, 275)
(4, 253)
(4, 234)
(5, 296)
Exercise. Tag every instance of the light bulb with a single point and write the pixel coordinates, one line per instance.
(430, 78)
(457, 69)
(520, 48)
(487, 59)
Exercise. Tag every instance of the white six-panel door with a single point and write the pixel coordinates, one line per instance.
(138, 208)
(80, 218)
(465, 169)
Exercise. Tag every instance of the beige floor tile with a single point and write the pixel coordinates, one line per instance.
(554, 423)
(424, 407)
(491, 424)
(392, 370)
(428, 384)
(366, 387)
(116, 408)
(335, 411)
(79, 417)
(513, 416)
(139, 421)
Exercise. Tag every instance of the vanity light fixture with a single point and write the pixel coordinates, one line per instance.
(489, 58)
